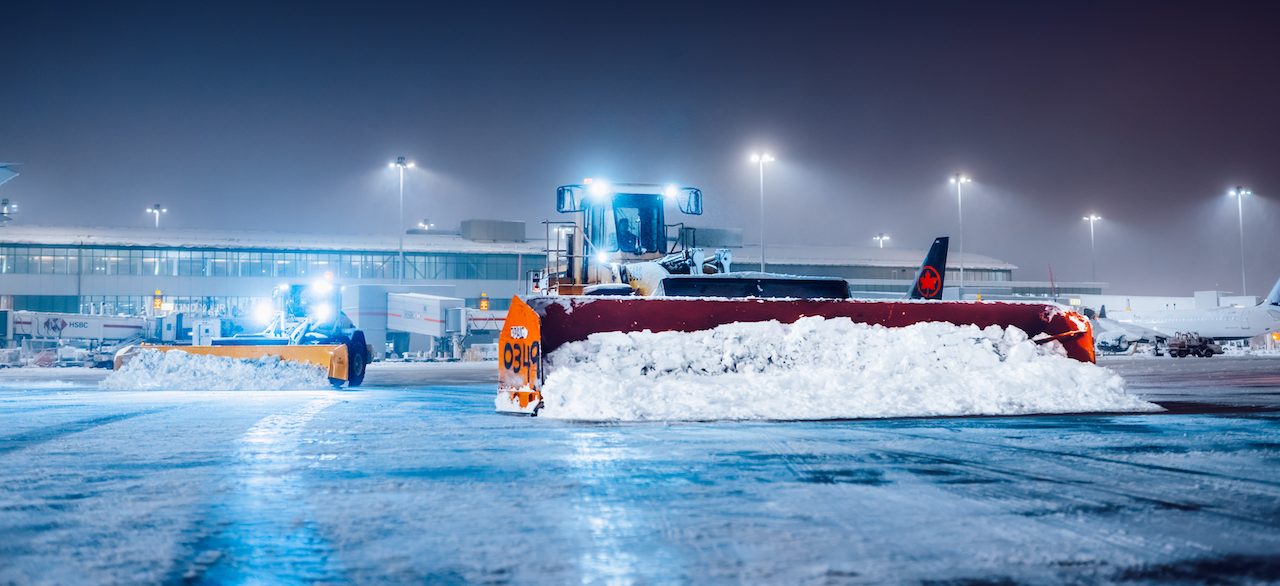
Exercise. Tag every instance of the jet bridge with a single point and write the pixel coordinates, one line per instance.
(439, 325)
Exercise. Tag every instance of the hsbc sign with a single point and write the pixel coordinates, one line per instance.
(38, 324)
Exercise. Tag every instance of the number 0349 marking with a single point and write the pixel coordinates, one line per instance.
(519, 358)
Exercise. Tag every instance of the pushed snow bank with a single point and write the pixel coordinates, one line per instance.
(176, 370)
(822, 368)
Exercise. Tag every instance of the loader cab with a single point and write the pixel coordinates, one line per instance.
(616, 223)
(627, 225)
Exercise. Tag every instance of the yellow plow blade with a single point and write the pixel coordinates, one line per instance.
(332, 357)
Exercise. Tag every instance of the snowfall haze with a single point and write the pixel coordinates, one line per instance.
(274, 117)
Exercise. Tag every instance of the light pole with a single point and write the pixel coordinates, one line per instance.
(156, 210)
(959, 180)
(1239, 193)
(761, 159)
(401, 164)
(1093, 254)
(7, 210)
(881, 237)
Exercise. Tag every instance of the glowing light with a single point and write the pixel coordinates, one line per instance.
(322, 312)
(761, 158)
(958, 178)
(670, 191)
(322, 286)
(602, 258)
(600, 188)
(262, 313)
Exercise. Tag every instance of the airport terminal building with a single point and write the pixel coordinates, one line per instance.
(223, 273)
(104, 270)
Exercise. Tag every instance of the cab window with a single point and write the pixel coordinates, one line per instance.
(633, 224)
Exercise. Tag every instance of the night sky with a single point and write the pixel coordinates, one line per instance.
(272, 116)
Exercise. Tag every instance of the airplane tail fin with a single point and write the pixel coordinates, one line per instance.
(932, 273)
(1274, 297)
(1103, 314)
(7, 172)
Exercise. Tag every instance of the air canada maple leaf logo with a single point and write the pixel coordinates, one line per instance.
(929, 282)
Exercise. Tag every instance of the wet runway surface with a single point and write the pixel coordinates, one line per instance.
(415, 479)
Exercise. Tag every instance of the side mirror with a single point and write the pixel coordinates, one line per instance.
(690, 201)
(569, 198)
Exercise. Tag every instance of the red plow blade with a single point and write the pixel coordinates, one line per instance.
(541, 324)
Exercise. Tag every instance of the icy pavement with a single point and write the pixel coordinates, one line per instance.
(415, 479)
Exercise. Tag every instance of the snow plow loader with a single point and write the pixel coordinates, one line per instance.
(614, 268)
(307, 328)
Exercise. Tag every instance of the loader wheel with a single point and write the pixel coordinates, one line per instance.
(357, 359)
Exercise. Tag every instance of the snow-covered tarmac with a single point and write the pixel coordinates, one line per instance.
(415, 479)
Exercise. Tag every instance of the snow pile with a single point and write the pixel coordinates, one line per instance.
(176, 370)
(822, 368)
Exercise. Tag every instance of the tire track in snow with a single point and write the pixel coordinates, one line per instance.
(1128, 493)
(1136, 549)
(265, 532)
(46, 434)
(623, 540)
(1049, 454)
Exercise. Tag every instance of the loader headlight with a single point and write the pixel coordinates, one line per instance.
(322, 312)
(599, 188)
(262, 313)
(602, 257)
(321, 287)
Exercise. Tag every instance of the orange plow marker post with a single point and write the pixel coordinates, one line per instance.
(520, 360)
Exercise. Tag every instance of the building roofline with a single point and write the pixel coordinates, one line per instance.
(440, 242)
(253, 240)
(791, 254)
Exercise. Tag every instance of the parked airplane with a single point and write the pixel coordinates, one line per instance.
(1219, 323)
